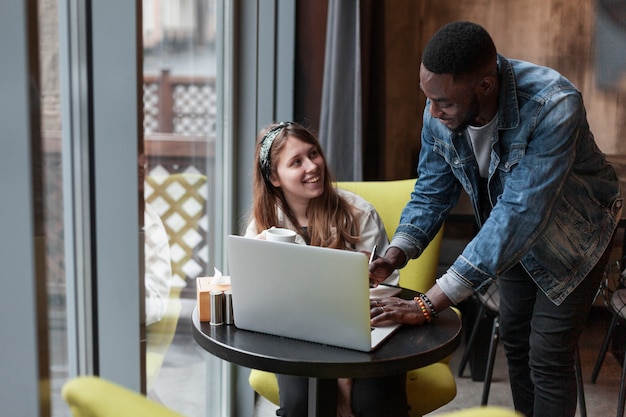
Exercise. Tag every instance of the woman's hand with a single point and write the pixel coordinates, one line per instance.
(396, 310)
(344, 393)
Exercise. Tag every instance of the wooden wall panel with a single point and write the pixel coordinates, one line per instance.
(310, 45)
(404, 102)
(556, 33)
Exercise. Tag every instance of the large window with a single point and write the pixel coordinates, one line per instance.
(180, 113)
(52, 199)
(103, 121)
(175, 174)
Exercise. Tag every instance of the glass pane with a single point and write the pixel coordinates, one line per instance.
(52, 194)
(179, 141)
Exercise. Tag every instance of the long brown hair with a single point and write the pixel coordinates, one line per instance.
(331, 220)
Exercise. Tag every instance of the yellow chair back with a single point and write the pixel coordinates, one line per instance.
(389, 198)
(91, 396)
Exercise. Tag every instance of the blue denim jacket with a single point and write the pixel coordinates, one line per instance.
(556, 201)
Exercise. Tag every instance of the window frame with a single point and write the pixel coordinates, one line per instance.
(101, 81)
(19, 120)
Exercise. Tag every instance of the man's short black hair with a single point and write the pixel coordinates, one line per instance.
(459, 48)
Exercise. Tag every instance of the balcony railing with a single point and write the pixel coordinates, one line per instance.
(185, 106)
(180, 130)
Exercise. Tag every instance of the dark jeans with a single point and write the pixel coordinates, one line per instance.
(371, 397)
(540, 340)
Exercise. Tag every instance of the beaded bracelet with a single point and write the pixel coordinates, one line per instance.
(422, 307)
(430, 305)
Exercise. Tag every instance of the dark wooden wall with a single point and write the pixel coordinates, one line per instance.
(310, 45)
(556, 33)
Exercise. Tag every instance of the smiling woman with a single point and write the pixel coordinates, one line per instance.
(291, 174)
(293, 189)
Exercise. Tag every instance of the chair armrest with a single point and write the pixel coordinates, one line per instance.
(487, 411)
(90, 396)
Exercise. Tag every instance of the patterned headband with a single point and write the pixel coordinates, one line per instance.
(266, 145)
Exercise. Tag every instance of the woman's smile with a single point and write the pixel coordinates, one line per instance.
(299, 172)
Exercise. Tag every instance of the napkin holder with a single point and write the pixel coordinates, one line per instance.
(204, 286)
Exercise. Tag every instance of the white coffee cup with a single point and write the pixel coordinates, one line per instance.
(277, 234)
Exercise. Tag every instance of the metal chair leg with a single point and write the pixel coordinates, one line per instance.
(493, 347)
(470, 342)
(603, 349)
(582, 404)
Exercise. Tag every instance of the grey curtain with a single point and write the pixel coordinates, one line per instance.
(341, 129)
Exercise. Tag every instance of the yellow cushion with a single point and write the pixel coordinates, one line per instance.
(427, 388)
(90, 396)
(265, 384)
(389, 198)
(486, 411)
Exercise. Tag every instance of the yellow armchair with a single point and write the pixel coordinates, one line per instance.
(90, 396)
(389, 198)
(487, 411)
(432, 386)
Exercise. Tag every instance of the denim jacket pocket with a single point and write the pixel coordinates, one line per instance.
(512, 157)
(569, 236)
(447, 151)
(563, 247)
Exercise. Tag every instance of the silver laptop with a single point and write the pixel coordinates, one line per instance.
(304, 292)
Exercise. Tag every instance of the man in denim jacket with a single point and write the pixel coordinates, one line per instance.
(515, 137)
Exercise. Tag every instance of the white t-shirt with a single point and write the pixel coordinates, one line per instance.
(480, 139)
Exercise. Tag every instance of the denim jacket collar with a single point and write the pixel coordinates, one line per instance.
(509, 114)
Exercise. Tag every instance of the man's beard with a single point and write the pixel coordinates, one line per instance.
(470, 116)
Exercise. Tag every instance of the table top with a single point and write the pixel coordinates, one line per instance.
(410, 347)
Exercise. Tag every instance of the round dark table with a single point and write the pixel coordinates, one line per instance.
(409, 348)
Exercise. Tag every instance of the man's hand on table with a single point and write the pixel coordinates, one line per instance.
(384, 310)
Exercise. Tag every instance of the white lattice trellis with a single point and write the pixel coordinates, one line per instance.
(180, 200)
